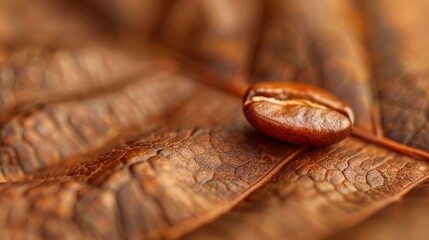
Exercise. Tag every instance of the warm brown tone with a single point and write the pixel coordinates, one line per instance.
(123, 119)
(298, 113)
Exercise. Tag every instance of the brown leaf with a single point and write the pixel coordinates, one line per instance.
(38, 75)
(122, 119)
(137, 17)
(320, 191)
(405, 219)
(219, 33)
(167, 183)
(400, 69)
(46, 22)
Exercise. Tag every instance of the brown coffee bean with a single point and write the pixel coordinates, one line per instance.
(298, 113)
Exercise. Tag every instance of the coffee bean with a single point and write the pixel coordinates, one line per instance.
(298, 113)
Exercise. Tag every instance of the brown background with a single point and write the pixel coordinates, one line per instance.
(122, 119)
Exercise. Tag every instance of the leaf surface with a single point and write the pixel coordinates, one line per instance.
(123, 120)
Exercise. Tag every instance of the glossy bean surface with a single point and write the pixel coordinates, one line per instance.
(298, 113)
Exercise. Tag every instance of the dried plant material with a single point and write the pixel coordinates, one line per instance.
(123, 119)
(319, 192)
(167, 183)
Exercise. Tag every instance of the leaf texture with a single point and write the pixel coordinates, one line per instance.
(122, 120)
(399, 69)
(405, 219)
(46, 74)
(320, 191)
(170, 181)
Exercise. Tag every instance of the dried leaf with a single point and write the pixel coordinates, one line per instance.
(120, 119)
(400, 69)
(167, 183)
(38, 75)
(405, 219)
(320, 191)
(47, 23)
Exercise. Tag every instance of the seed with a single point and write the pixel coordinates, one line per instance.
(298, 113)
